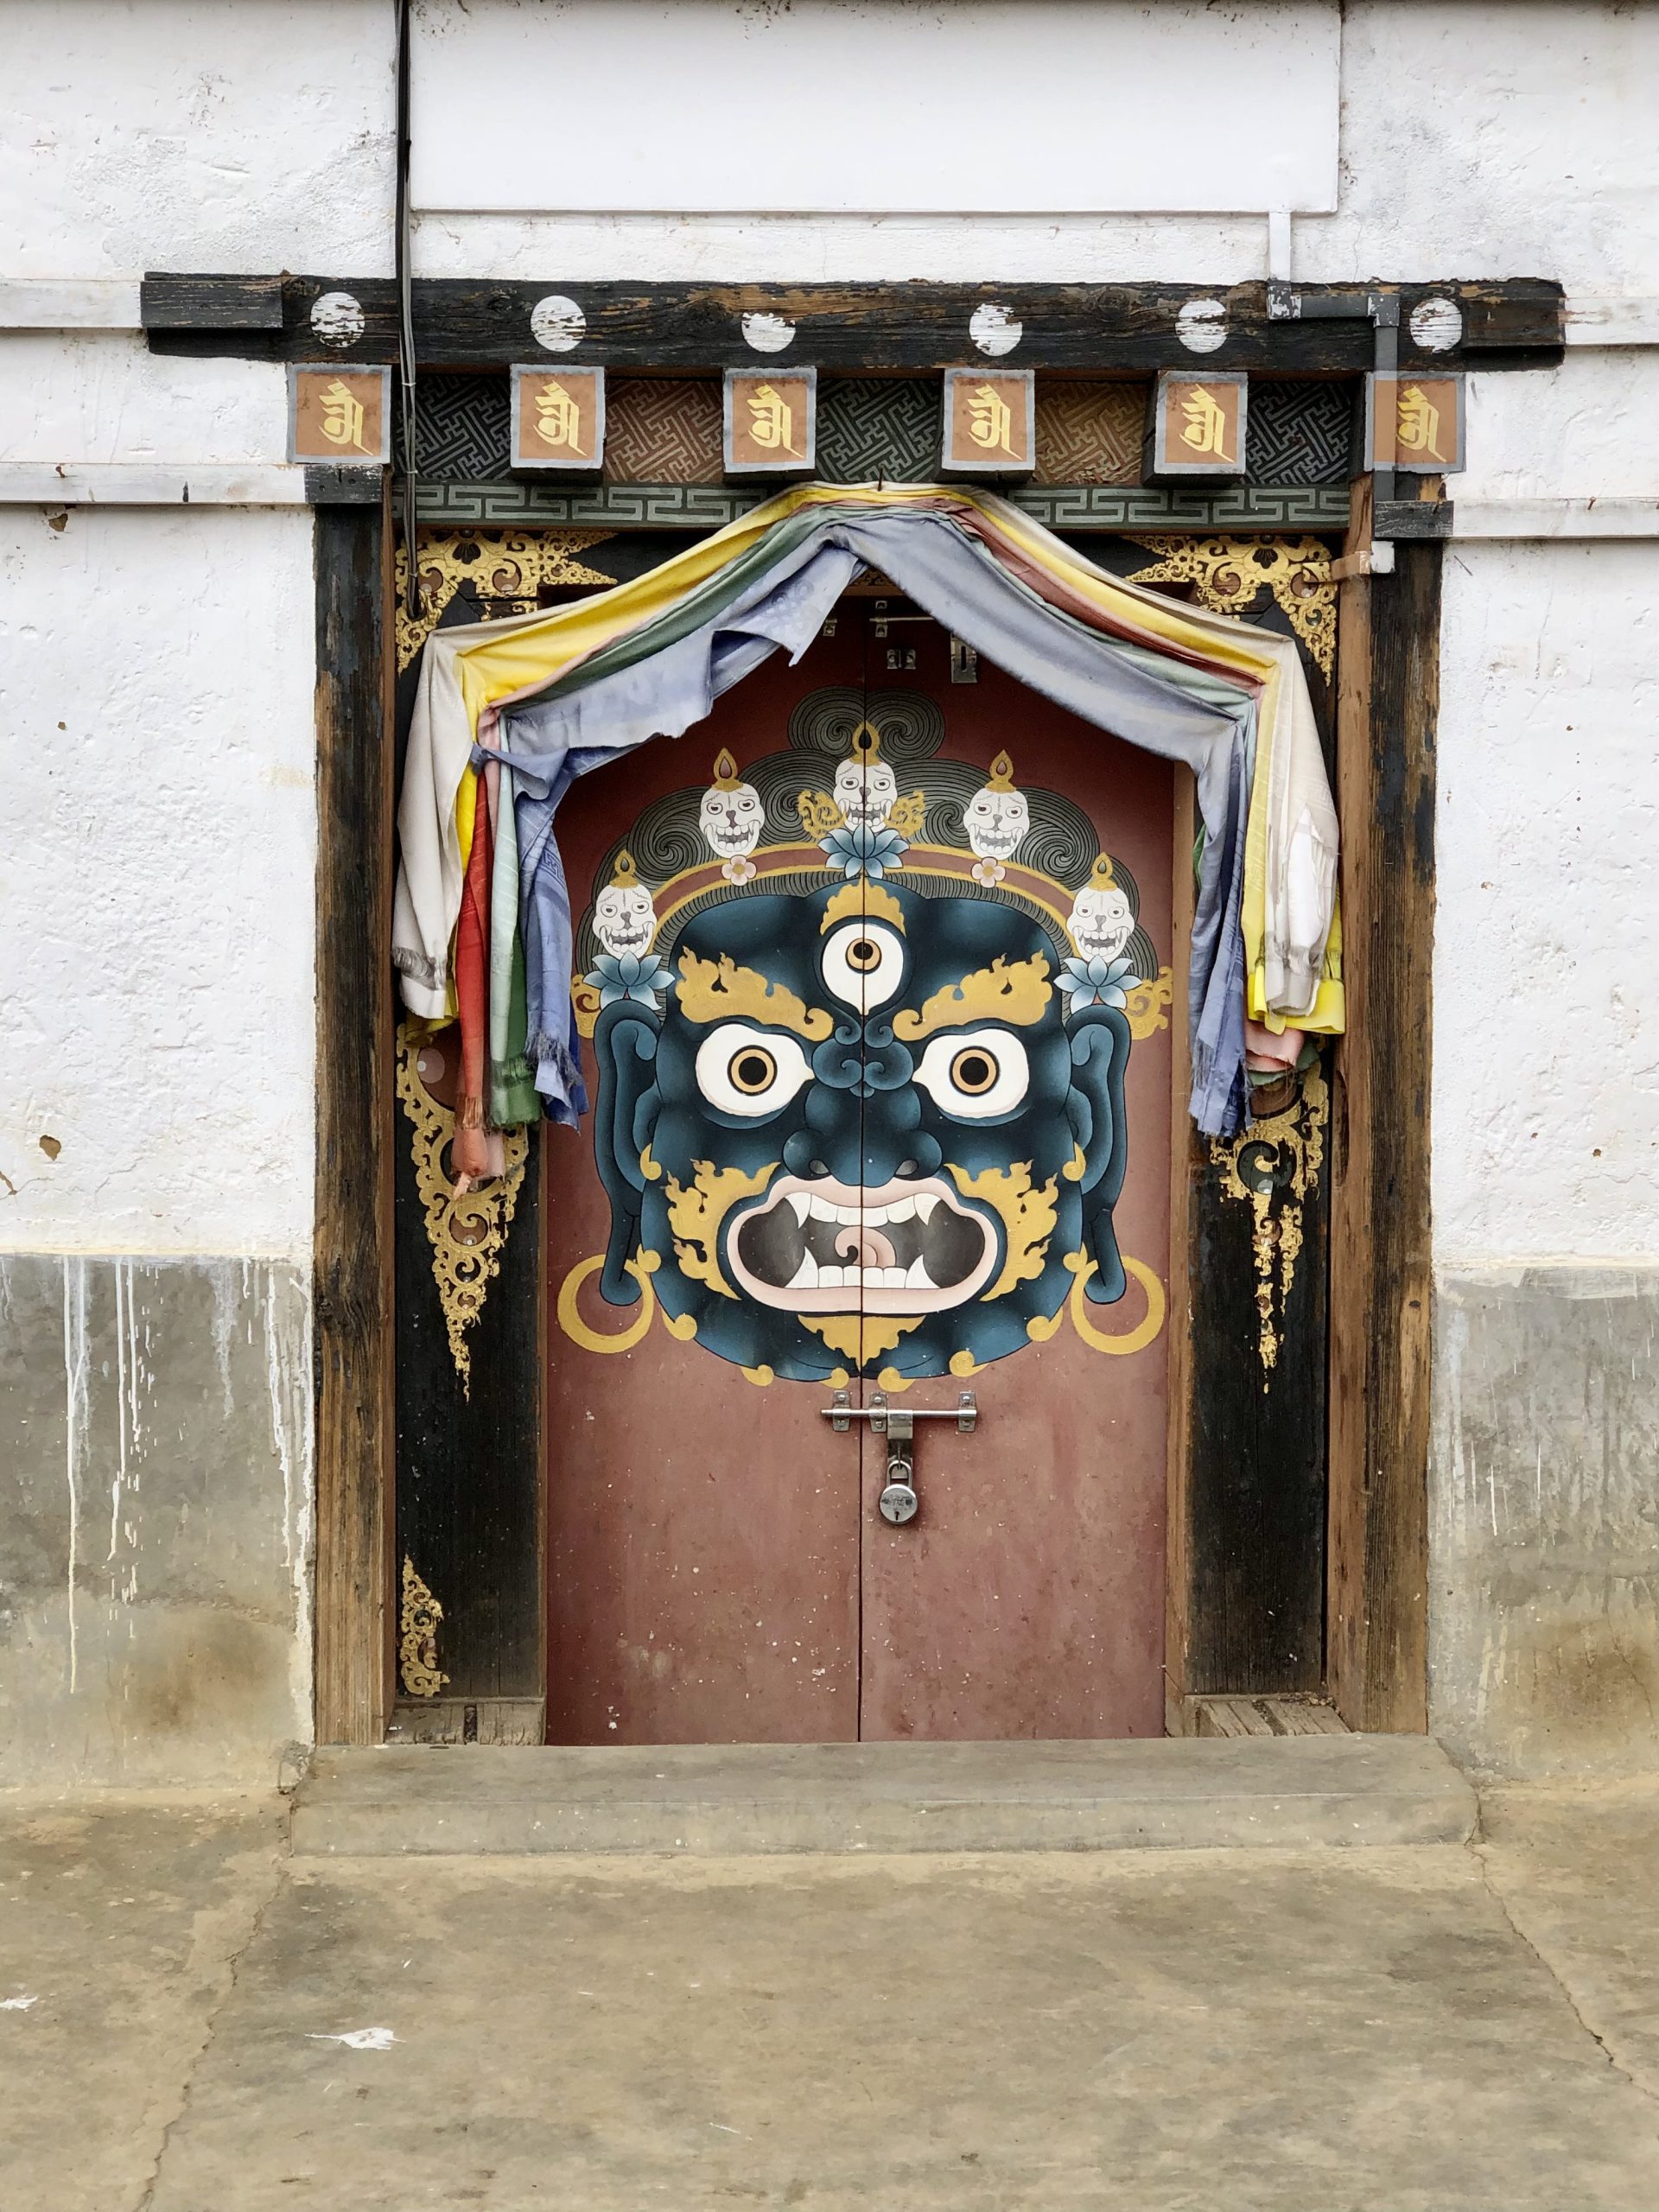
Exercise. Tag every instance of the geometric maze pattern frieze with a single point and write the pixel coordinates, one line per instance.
(663, 430)
(1089, 432)
(1299, 432)
(871, 427)
(460, 428)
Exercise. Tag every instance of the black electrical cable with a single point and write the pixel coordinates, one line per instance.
(406, 315)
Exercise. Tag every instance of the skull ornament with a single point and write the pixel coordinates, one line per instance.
(865, 791)
(997, 817)
(730, 816)
(1103, 920)
(625, 920)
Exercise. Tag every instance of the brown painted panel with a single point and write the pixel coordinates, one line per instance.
(1026, 1598)
(703, 1528)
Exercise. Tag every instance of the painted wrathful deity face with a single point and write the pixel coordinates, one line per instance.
(861, 1134)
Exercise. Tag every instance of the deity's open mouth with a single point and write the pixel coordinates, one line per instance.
(826, 1247)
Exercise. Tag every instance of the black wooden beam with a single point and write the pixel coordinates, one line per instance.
(463, 323)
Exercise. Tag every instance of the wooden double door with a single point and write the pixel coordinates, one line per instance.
(874, 978)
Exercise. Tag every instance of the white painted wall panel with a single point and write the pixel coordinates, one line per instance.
(87, 395)
(1546, 1093)
(1565, 433)
(1474, 141)
(191, 134)
(840, 106)
(157, 874)
(1506, 140)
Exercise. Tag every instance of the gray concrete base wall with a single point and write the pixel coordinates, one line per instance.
(1544, 1530)
(156, 1485)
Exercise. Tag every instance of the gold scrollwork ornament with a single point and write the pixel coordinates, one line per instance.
(1272, 1166)
(1227, 573)
(467, 1233)
(512, 565)
(417, 1644)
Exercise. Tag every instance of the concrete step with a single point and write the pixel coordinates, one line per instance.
(1283, 1792)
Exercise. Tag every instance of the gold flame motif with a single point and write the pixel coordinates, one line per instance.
(719, 990)
(1016, 990)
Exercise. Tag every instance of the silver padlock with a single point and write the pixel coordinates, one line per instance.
(899, 1498)
(899, 1503)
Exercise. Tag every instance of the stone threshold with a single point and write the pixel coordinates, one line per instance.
(1189, 1793)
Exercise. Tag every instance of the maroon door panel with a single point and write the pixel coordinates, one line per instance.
(874, 982)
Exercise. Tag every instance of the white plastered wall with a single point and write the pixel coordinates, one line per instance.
(157, 955)
(156, 959)
(155, 688)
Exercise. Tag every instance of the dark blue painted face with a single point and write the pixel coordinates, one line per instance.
(862, 1134)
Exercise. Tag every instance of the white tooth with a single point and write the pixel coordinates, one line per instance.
(800, 1202)
(822, 1210)
(924, 1205)
(904, 1210)
(917, 1278)
(805, 1277)
(888, 1279)
(851, 1216)
(831, 1278)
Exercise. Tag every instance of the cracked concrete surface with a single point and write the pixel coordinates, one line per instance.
(1437, 2029)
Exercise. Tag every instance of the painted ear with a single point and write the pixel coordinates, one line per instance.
(1100, 1054)
(625, 1045)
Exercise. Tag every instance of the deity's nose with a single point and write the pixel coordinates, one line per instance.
(828, 1144)
(892, 1142)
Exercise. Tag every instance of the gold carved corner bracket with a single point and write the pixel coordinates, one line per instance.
(467, 1233)
(502, 564)
(1272, 1166)
(1227, 574)
(417, 1636)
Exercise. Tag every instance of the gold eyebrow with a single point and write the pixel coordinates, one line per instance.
(999, 993)
(716, 990)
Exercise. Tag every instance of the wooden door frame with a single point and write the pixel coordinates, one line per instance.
(1381, 1280)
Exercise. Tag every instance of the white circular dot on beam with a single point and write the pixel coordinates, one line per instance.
(768, 334)
(995, 329)
(1436, 325)
(557, 324)
(1201, 326)
(336, 319)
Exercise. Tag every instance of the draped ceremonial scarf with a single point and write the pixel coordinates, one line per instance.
(559, 693)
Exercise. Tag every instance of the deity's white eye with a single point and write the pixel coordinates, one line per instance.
(749, 1072)
(976, 1075)
(863, 963)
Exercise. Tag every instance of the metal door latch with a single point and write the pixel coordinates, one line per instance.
(898, 1502)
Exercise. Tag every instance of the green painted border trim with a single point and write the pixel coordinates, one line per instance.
(1063, 506)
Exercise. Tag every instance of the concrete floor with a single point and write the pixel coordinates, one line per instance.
(1426, 2029)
